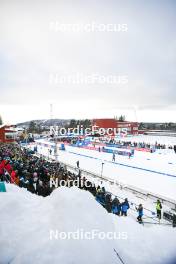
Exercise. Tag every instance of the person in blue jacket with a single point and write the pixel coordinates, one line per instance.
(140, 213)
(124, 207)
(116, 206)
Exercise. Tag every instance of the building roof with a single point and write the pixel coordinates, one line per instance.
(8, 128)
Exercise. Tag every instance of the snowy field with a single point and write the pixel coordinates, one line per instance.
(153, 172)
(167, 140)
(27, 219)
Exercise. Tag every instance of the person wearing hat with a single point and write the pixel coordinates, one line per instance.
(124, 207)
(140, 213)
(158, 209)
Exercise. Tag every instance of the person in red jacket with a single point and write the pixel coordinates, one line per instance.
(1, 170)
(8, 167)
(13, 176)
(2, 164)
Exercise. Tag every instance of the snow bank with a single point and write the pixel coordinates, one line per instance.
(26, 221)
(146, 244)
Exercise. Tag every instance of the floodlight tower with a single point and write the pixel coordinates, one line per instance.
(135, 108)
(51, 111)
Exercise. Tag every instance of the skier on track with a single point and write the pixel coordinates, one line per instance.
(113, 157)
(77, 164)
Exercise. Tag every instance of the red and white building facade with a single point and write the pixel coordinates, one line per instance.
(8, 134)
(131, 127)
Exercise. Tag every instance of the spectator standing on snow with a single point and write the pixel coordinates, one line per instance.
(158, 209)
(116, 207)
(140, 213)
(7, 166)
(77, 164)
(174, 220)
(13, 176)
(124, 207)
(108, 202)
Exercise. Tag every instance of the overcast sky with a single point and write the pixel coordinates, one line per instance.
(35, 48)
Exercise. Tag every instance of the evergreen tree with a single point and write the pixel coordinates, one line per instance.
(73, 123)
(32, 127)
(0, 120)
(121, 118)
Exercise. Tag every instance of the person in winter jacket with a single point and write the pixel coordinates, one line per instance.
(113, 157)
(124, 207)
(108, 202)
(1, 170)
(100, 195)
(7, 166)
(13, 176)
(77, 164)
(116, 206)
(140, 213)
(158, 209)
(17, 180)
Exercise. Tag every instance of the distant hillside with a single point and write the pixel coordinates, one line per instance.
(46, 122)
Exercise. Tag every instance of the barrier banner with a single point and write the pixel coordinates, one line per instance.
(2, 187)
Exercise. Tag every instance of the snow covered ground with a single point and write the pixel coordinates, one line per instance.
(167, 140)
(153, 172)
(26, 221)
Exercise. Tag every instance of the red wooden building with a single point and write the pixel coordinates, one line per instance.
(7, 134)
(132, 127)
